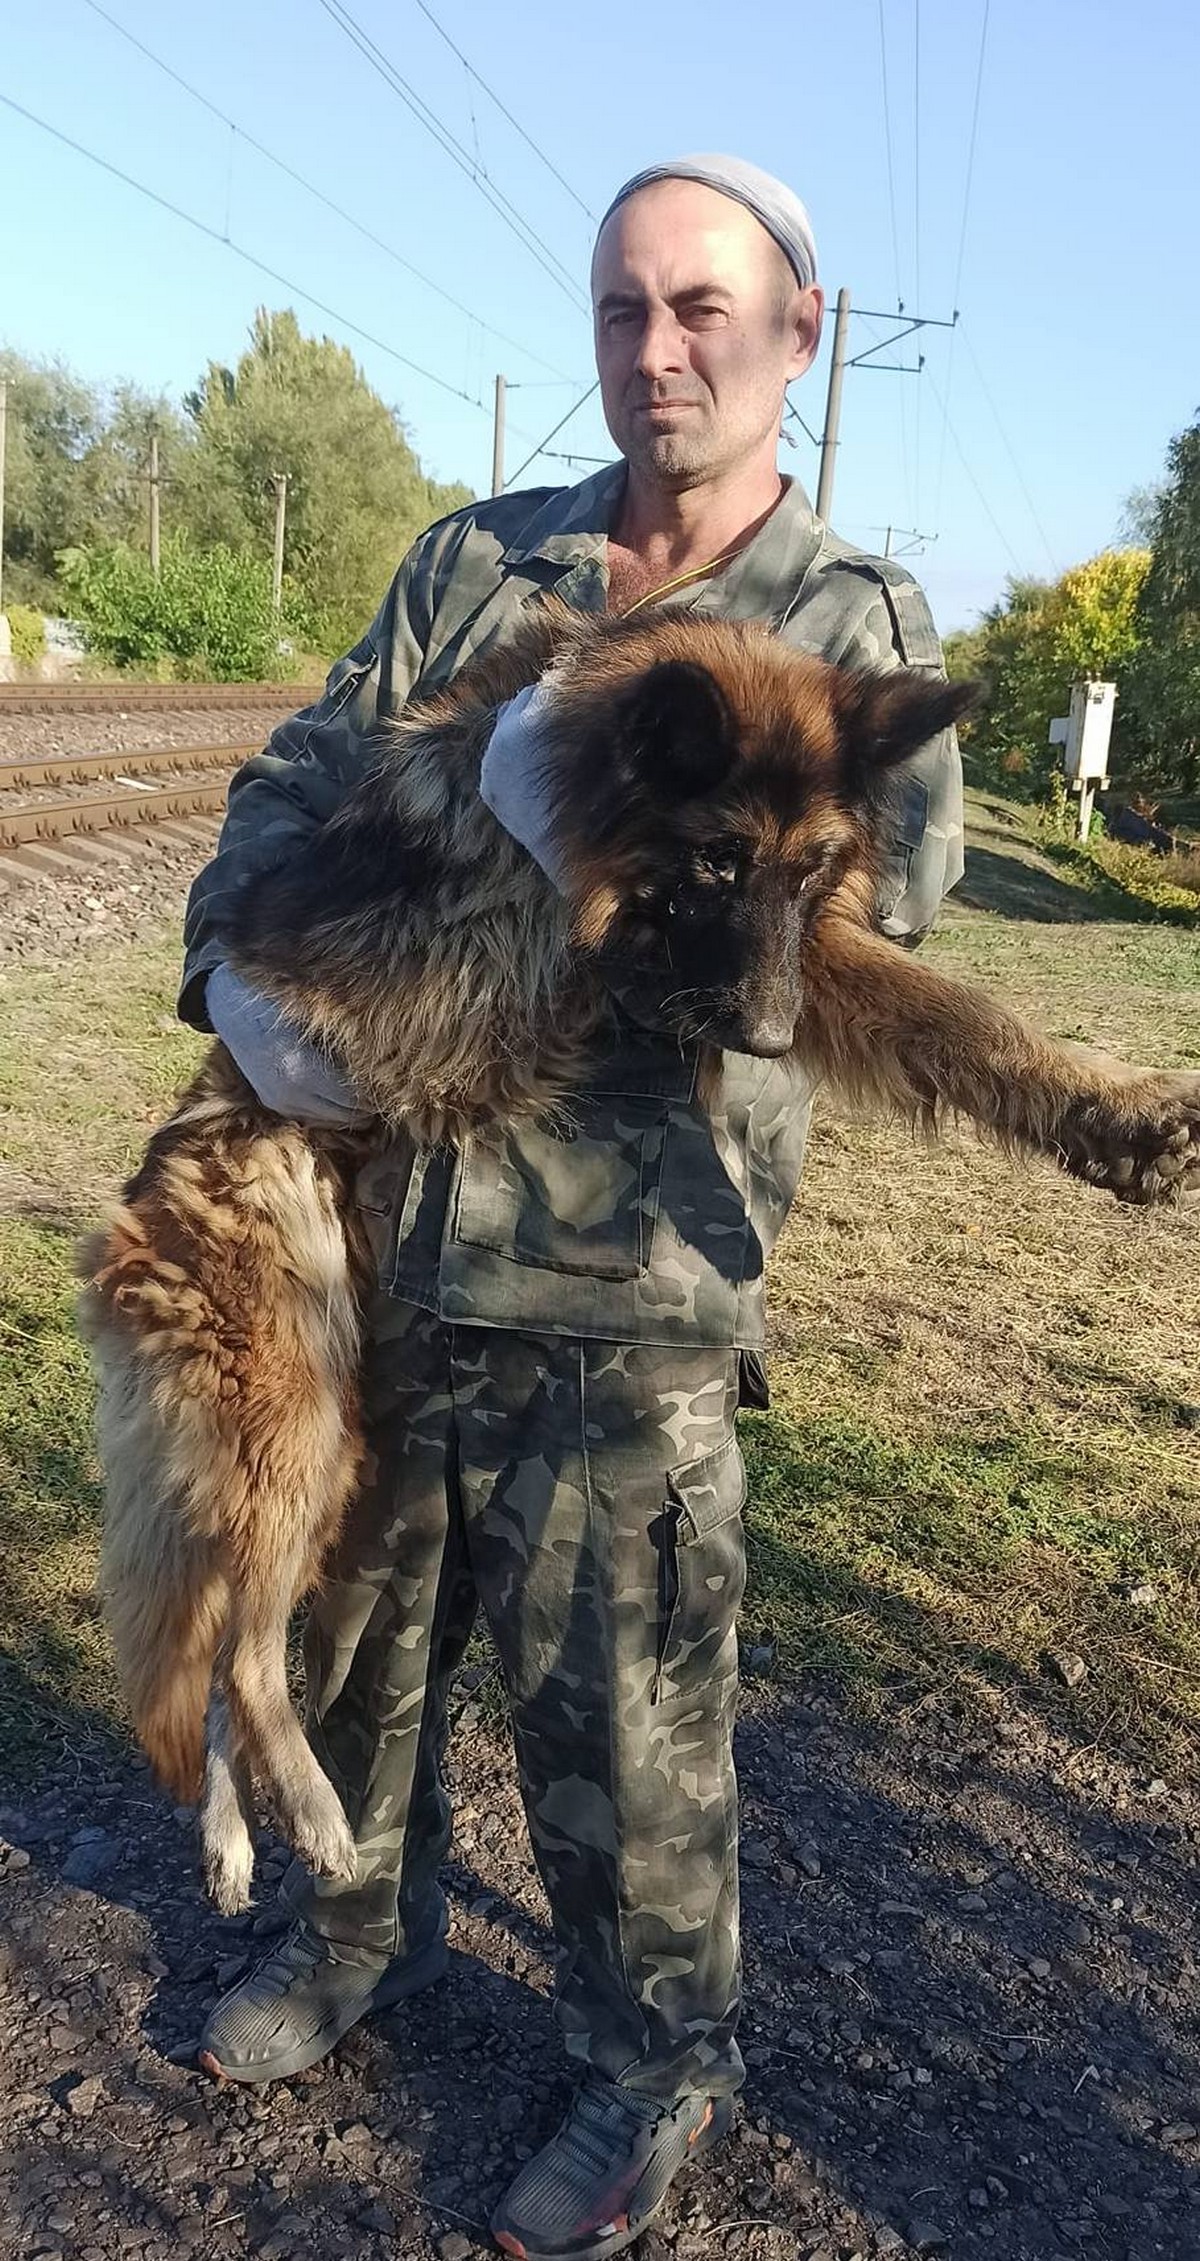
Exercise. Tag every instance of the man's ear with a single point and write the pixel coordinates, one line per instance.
(673, 732)
(885, 717)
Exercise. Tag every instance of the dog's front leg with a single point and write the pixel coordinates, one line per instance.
(879, 1025)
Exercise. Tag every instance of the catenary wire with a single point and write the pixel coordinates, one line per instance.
(505, 112)
(453, 148)
(962, 244)
(1011, 452)
(995, 523)
(891, 181)
(227, 243)
(917, 243)
(310, 189)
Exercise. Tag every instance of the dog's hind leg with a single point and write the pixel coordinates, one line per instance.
(307, 1807)
(227, 1817)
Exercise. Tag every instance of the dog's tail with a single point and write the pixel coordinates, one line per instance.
(165, 1593)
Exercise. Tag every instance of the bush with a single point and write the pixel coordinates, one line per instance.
(210, 610)
(27, 629)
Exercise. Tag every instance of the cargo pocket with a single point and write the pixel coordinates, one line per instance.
(700, 1550)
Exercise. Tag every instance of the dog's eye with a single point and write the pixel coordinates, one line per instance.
(719, 866)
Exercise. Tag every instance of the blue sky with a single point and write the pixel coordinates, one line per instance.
(1078, 351)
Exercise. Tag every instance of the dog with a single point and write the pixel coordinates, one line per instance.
(716, 803)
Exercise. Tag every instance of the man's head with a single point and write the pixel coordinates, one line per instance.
(705, 308)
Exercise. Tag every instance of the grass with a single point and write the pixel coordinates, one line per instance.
(983, 1436)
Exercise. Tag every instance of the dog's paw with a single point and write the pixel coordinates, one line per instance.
(1141, 1143)
(228, 1872)
(317, 1829)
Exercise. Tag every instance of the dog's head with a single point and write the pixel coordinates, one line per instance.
(713, 791)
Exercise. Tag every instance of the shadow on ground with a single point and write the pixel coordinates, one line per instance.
(971, 2014)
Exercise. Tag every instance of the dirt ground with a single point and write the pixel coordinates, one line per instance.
(972, 2018)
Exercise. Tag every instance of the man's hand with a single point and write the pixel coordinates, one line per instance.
(291, 1076)
(510, 784)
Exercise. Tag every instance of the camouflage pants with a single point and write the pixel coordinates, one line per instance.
(589, 1495)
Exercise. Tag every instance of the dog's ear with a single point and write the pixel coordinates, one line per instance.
(674, 733)
(885, 718)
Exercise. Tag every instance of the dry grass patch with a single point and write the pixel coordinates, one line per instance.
(986, 1428)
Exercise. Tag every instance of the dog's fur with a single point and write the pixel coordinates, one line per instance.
(716, 804)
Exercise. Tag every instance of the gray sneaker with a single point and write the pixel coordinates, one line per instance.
(298, 2003)
(602, 2179)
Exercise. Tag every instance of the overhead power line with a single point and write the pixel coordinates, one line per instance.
(544, 444)
(962, 240)
(891, 181)
(997, 528)
(1011, 453)
(454, 149)
(227, 243)
(917, 235)
(310, 189)
(505, 112)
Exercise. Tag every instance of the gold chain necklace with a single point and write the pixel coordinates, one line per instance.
(694, 573)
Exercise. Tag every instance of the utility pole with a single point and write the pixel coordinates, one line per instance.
(155, 566)
(498, 438)
(833, 405)
(865, 360)
(279, 480)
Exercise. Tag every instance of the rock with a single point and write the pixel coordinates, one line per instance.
(16, 1858)
(454, 2246)
(809, 1858)
(91, 1858)
(379, 2218)
(1180, 2131)
(1067, 1666)
(972, 1904)
(1038, 1967)
(81, 2099)
(1144, 1595)
(926, 2237)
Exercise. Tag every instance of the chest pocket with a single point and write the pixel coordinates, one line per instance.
(582, 1196)
(578, 1199)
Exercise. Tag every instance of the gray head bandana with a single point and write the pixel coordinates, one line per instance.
(780, 212)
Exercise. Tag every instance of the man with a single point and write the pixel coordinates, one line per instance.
(564, 1331)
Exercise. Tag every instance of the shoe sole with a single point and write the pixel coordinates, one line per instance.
(395, 1985)
(704, 2138)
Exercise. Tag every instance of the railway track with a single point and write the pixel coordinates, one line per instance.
(60, 811)
(153, 698)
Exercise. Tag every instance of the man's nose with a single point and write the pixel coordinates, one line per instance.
(661, 344)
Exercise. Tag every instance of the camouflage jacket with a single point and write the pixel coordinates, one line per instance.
(652, 1223)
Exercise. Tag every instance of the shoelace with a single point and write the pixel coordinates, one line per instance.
(297, 1958)
(590, 2133)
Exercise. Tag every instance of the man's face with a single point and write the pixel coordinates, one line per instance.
(700, 323)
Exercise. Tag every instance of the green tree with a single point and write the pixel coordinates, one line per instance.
(1032, 645)
(356, 493)
(77, 459)
(1163, 696)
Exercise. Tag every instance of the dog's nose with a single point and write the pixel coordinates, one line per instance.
(769, 1038)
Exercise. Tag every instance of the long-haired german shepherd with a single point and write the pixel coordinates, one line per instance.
(716, 801)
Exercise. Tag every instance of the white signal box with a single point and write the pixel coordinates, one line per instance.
(1084, 736)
